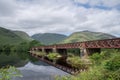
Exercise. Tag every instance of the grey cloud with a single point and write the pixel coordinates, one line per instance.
(60, 16)
(7, 7)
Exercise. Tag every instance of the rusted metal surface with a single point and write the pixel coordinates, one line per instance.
(68, 45)
(107, 43)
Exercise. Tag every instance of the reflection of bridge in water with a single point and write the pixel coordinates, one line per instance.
(86, 48)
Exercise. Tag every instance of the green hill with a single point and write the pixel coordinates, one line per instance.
(49, 38)
(23, 35)
(86, 36)
(10, 37)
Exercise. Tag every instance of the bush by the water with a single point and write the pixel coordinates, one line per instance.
(75, 62)
(9, 72)
(39, 53)
(53, 56)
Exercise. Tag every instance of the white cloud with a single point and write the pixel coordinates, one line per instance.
(61, 16)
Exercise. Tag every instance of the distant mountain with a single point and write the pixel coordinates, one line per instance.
(86, 36)
(14, 37)
(49, 38)
(23, 35)
(10, 37)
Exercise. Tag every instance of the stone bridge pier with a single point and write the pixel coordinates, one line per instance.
(85, 52)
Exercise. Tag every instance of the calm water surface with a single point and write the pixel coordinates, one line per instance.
(39, 71)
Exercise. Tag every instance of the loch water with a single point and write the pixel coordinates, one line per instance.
(30, 69)
(39, 71)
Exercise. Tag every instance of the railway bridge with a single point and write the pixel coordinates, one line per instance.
(86, 48)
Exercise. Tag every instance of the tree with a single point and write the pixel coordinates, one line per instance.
(34, 43)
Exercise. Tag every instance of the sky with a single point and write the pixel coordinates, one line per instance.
(61, 16)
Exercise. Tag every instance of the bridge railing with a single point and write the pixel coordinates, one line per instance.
(108, 43)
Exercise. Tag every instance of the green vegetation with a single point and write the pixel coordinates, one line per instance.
(51, 56)
(54, 56)
(49, 38)
(11, 59)
(76, 52)
(16, 55)
(105, 66)
(9, 72)
(39, 53)
(9, 37)
(113, 64)
(14, 47)
(77, 62)
(23, 35)
(86, 36)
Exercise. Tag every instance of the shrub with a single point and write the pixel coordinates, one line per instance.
(105, 55)
(8, 73)
(77, 62)
(96, 58)
(113, 64)
(53, 56)
(71, 55)
(40, 53)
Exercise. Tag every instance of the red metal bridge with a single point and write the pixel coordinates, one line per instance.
(85, 47)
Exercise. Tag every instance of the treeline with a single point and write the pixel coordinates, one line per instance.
(22, 47)
(17, 55)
